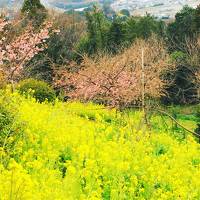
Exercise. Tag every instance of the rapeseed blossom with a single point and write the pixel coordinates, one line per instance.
(72, 151)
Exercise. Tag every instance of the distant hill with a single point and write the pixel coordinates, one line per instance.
(67, 5)
(49, 3)
(11, 4)
(158, 8)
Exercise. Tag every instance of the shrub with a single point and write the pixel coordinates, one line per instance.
(41, 91)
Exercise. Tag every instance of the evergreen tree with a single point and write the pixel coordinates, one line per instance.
(183, 31)
(197, 19)
(34, 10)
(97, 28)
(182, 28)
(143, 27)
(116, 36)
(125, 12)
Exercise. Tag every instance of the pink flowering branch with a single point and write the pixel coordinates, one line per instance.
(116, 80)
(14, 54)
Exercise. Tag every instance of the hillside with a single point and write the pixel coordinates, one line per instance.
(77, 151)
(49, 3)
(99, 105)
(158, 8)
(12, 4)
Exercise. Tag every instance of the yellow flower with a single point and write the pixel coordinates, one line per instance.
(71, 170)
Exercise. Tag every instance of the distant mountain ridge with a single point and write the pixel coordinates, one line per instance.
(158, 8)
(12, 4)
(51, 3)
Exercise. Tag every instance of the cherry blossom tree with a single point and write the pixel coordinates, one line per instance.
(15, 53)
(3, 23)
(117, 81)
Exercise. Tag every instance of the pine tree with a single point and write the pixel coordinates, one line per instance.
(116, 36)
(34, 10)
(97, 26)
(197, 19)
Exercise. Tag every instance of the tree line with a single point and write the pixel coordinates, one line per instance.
(106, 46)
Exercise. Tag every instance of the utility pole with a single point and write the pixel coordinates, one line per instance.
(143, 83)
(143, 90)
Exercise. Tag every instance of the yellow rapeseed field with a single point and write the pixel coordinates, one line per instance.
(72, 151)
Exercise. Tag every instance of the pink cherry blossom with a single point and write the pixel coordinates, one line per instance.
(22, 48)
(116, 80)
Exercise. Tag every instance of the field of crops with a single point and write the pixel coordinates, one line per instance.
(77, 151)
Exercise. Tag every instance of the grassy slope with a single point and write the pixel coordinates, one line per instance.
(76, 151)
